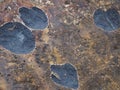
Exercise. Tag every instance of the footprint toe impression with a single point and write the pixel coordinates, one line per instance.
(108, 21)
(65, 75)
(16, 38)
(34, 17)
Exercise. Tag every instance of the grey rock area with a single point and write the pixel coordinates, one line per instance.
(109, 20)
(1, 0)
(16, 38)
(66, 75)
(34, 17)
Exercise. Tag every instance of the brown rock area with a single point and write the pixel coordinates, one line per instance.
(71, 37)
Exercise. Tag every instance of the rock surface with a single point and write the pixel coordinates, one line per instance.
(71, 37)
(108, 21)
(17, 38)
(64, 75)
(34, 17)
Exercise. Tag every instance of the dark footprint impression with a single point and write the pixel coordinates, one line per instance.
(34, 17)
(109, 20)
(16, 38)
(65, 75)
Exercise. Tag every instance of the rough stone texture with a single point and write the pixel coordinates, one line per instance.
(70, 37)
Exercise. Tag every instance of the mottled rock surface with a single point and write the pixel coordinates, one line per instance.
(71, 37)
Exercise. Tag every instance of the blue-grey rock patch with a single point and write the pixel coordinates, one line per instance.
(65, 75)
(34, 17)
(16, 38)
